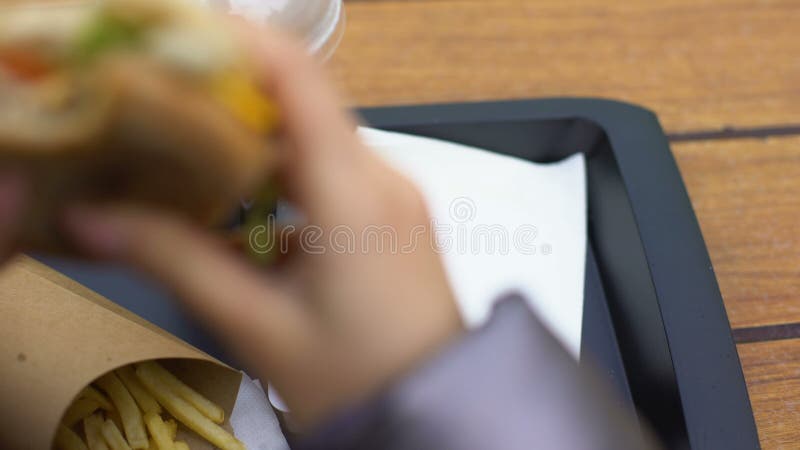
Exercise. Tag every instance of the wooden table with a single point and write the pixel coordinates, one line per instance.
(724, 78)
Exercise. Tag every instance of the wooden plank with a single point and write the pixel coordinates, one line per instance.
(745, 195)
(699, 64)
(772, 371)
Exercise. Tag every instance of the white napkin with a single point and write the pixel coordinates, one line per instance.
(505, 224)
(535, 214)
(253, 420)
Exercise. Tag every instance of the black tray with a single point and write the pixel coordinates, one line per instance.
(653, 317)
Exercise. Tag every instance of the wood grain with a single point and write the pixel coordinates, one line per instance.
(772, 371)
(699, 64)
(745, 195)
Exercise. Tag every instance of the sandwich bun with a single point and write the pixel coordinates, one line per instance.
(136, 125)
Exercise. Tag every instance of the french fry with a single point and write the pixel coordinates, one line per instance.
(173, 428)
(129, 413)
(204, 405)
(66, 439)
(185, 412)
(143, 398)
(90, 392)
(180, 445)
(113, 436)
(158, 431)
(114, 417)
(79, 409)
(92, 429)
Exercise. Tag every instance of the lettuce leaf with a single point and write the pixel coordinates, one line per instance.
(104, 34)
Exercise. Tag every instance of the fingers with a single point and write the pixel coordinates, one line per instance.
(12, 198)
(313, 114)
(324, 152)
(231, 297)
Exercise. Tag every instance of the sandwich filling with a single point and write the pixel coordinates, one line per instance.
(49, 55)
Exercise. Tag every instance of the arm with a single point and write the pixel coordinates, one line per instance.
(508, 385)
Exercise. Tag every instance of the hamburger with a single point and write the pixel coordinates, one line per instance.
(151, 103)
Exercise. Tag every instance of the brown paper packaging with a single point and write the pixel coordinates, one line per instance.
(57, 336)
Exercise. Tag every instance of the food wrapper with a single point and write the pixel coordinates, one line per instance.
(57, 336)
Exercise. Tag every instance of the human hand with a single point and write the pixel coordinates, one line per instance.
(328, 328)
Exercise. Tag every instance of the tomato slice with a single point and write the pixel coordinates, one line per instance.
(24, 65)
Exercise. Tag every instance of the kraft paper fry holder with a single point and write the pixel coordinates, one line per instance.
(57, 336)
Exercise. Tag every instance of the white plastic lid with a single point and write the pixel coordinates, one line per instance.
(319, 22)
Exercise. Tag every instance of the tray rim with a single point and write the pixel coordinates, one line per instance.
(711, 385)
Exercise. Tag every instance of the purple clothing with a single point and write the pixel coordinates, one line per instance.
(508, 386)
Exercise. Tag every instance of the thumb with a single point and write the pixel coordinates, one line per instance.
(232, 298)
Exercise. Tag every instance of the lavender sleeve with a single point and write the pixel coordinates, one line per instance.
(508, 385)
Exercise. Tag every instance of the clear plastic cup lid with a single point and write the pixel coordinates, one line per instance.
(319, 22)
